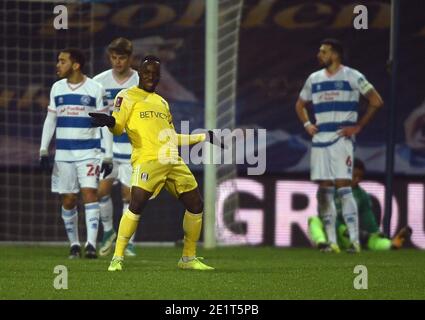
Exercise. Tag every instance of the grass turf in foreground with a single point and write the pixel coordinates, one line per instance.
(26, 272)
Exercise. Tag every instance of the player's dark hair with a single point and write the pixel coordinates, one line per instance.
(336, 46)
(121, 46)
(151, 58)
(358, 164)
(76, 55)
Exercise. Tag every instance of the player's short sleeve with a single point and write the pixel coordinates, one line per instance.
(52, 102)
(360, 83)
(120, 113)
(101, 100)
(306, 92)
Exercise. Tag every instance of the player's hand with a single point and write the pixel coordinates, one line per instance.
(213, 139)
(311, 129)
(45, 162)
(101, 119)
(349, 131)
(107, 167)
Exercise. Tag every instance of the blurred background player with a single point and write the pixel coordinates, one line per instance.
(77, 146)
(370, 236)
(334, 93)
(156, 162)
(119, 77)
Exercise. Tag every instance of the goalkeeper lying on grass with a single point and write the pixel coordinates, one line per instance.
(370, 236)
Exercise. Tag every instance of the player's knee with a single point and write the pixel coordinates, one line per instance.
(102, 193)
(135, 207)
(90, 195)
(197, 206)
(322, 200)
(69, 201)
(105, 188)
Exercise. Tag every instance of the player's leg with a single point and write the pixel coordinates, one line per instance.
(377, 242)
(144, 183)
(70, 219)
(342, 160)
(106, 212)
(128, 225)
(316, 231)
(182, 184)
(88, 177)
(322, 173)
(192, 225)
(342, 236)
(64, 182)
(124, 176)
(400, 238)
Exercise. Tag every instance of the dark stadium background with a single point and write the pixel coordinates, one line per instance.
(277, 53)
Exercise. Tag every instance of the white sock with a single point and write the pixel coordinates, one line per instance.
(106, 211)
(70, 218)
(350, 212)
(92, 222)
(124, 209)
(327, 211)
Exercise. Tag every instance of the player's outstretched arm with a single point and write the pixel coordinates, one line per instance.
(208, 136)
(101, 120)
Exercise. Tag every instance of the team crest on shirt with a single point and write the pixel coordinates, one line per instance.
(339, 85)
(60, 100)
(85, 100)
(145, 176)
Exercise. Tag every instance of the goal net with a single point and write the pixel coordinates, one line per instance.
(222, 43)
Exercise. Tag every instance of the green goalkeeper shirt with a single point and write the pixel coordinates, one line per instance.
(367, 220)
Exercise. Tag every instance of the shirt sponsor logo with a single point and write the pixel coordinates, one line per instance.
(152, 114)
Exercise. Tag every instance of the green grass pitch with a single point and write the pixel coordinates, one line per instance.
(26, 272)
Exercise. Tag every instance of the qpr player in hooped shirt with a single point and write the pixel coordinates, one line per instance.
(76, 167)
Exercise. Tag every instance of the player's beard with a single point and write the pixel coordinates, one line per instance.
(324, 64)
(65, 74)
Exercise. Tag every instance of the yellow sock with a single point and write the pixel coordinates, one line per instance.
(128, 226)
(192, 224)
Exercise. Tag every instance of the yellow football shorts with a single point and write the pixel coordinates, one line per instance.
(152, 176)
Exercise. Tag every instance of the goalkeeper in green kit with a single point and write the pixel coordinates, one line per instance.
(370, 236)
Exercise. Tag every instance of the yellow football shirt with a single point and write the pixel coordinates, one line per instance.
(148, 122)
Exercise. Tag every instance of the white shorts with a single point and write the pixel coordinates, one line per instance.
(121, 171)
(333, 162)
(69, 177)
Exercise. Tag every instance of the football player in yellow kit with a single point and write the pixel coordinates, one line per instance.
(146, 118)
